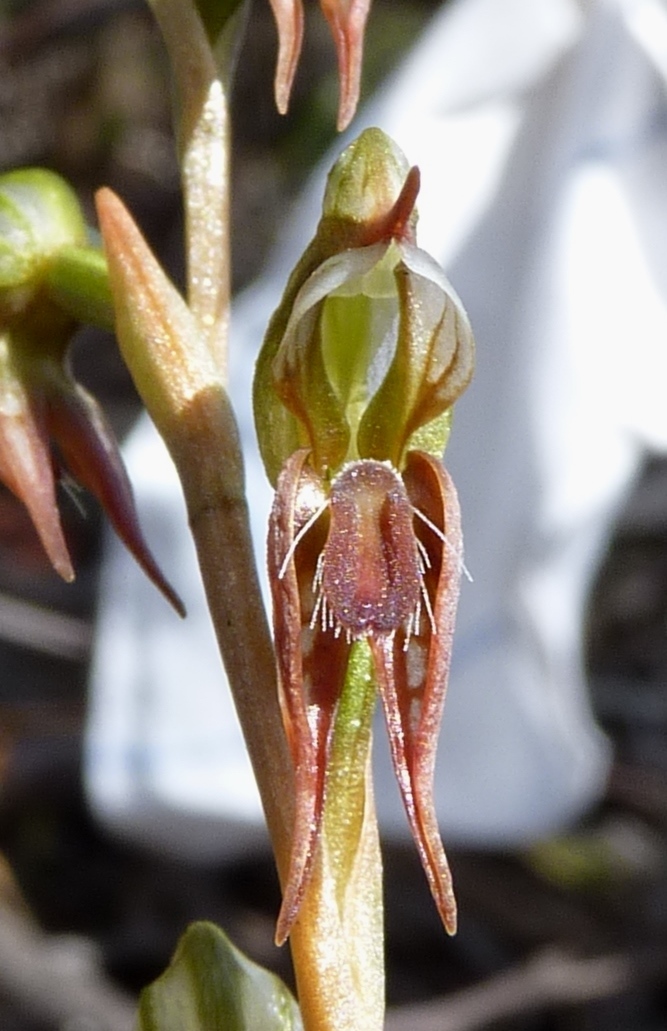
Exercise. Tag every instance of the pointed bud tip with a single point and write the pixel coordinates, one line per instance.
(367, 180)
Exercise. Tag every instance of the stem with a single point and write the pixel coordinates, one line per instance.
(181, 387)
(206, 199)
(218, 513)
(338, 957)
(202, 124)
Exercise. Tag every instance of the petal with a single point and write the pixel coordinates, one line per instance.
(90, 451)
(432, 365)
(412, 676)
(289, 22)
(311, 666)
(347, 20)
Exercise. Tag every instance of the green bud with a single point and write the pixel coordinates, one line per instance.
(366, 181)
(49, 274)
(39, 214)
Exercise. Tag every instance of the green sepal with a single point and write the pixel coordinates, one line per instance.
(279, 431)
(364, 184)
(434, 436)
(211, 986)
(39, 215)
(50, 276)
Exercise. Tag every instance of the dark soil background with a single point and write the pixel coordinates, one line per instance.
(83, 90)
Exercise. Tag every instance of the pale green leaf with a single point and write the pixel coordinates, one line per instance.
(211, 986)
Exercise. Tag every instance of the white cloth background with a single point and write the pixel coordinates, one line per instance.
(540, 127)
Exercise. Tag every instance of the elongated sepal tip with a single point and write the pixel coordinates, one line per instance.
(347, 21)
(91, 454)
(289, 23)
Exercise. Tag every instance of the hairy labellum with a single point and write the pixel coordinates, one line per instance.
(370, 521)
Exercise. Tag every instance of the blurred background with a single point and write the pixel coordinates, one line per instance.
(570, 935)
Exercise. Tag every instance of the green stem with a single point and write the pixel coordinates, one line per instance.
(214, 490)
(202, 129)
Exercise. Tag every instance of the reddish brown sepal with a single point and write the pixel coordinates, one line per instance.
(311, 664)
(347, 21)
(377, 556)
(400, 222)
(412, 670)
(26, 467)
(89, 450)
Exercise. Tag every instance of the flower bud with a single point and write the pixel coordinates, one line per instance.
(39, 214)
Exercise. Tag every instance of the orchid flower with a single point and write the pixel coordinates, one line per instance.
(354, 386)
(49, 424)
